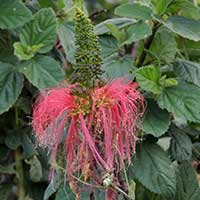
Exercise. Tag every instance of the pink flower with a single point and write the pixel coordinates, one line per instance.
(100, 126)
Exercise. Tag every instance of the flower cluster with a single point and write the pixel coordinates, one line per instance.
(101, 126)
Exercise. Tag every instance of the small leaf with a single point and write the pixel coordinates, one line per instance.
(13, 14)
(41, 31)
(42, 71)
(101, 28)
(67, 39)
(13, 139)
(187, 185)
(35, 169)
(7, 169)
(11, 83)
(180, 145)
(154, 170)
(189, 71)
(187, 28)
(116, 66)
(156, 121)
(163, 47)
(137, 32)
(148, 78)
(183, 103)
(26, 52)
(134, 10)
(161, 5)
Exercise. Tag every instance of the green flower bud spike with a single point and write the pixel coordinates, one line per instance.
(88, 53)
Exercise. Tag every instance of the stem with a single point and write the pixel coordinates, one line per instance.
(147, 45)
(19, 169)
(19, 165)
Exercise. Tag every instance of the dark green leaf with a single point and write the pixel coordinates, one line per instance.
(134, 10)
(163, 47)
(187, 28)
(13, 14)
(119, 22)
(41, 31)
(137, 32)
(187, 185)
(5, 191)
(161, 5)
(13, 139)
(189, 71)
(116, 66)
(7, 169)
(35, 169)
(156, 121)
(182, 100)
(42, 71)
(11, 83)
(181, 145)
(154, 170)
(67, 39)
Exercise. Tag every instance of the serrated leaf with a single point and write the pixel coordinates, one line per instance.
(189, 71)
(161, 5)
(137, 32)
(116, 66)
(134, 10)
(154, 170)
(148, 78)
(67, 39)
(35, 169)
(101, 28)
(185, 27)
(163, 47)
(156, 121)
(5, 191)
(13, 14)
(40, 31)
(180, 145)
(42, 71)
(185, 8)
(183, 103)
(11, 83)
(108, 44)
(187, 185)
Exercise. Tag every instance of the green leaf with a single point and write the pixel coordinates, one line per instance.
(188, 71)
(163, 47)
(13, 14)
(7, 169)
(187, 185)
(53, 186)
(13, 139)
(40, 31)
(67, 39)
(25, 52)
(35, 169)
(42, 71)
(183, 103)
(185, 8)
(148, 78)
(156, 121)
(161, 5)
(116, 66)
(101, 28)
(5, 191)
(180, 145)
(27, 144)
(187, 28)
(64, 193)
(137, 32)
(11, 83)
(108, 44)
(154, 170)
(134, 10)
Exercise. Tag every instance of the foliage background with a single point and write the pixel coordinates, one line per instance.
(155, 42)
